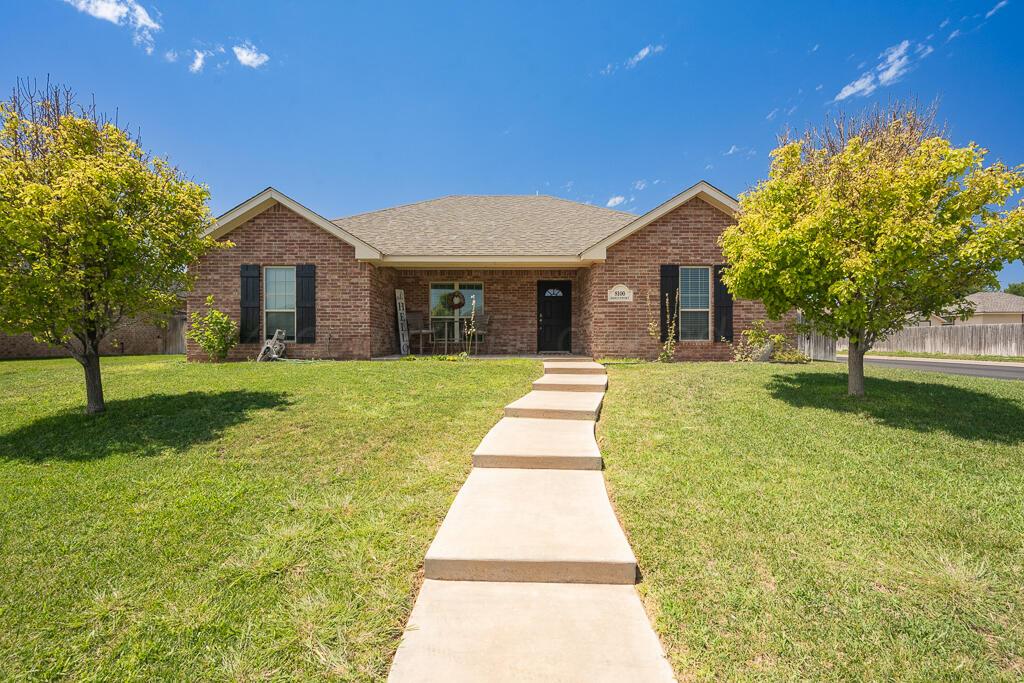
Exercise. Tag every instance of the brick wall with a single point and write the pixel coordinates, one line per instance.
(510, 300)
(280, 237)
(383, 317)
(688, 236)
(132, 339)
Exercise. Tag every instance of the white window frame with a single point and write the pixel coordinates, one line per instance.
(681, 310)
(455, 318)
(267, 333)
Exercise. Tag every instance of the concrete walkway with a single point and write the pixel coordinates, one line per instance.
(530, 577)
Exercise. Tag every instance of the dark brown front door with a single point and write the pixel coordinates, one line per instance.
(554, 315)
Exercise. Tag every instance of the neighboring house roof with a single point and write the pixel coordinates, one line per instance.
(514, 230)
(486, 225)
(997, 302)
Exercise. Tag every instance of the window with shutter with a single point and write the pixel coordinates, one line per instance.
(694, 303)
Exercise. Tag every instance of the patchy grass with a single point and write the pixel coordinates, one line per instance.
(786, 532)
(227, 522)
(950, 356)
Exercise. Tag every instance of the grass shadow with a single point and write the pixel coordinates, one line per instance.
(142, 426)
(904, 404)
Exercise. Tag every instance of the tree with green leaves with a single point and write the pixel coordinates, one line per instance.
(1015, 288)
(871, 223)
(94, 232)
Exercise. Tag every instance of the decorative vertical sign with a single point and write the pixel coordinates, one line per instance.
(403, 322)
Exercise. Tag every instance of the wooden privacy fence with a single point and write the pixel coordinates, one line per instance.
(983, 340)
(816, 346)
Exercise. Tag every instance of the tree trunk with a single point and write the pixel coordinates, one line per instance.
(90, 360)
(855, 369)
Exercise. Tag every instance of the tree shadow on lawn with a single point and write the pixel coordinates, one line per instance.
(141, 426)
(904, 404)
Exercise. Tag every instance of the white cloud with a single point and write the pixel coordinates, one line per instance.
(815, 48)
(865, 85)
(945, 23)
(645, 52)
(954, 34)
(709, 167)
(615, 201)
(639, 185)
(819, 87)
(995, 8)
(171, 55)
(248, 55)
(895, 63)
(733, 149)
(123, 13)
(198, 61)
(772, 114)
(658, 181)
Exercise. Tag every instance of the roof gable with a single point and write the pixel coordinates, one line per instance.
(704, 190)
(269, 197)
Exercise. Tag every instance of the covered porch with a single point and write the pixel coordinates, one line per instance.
(513, 311)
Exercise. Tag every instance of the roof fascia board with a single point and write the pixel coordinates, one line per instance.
(705, 190)
(264, 200)
(482, 261)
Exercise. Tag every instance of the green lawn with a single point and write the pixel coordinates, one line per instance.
(227, 522)
(786, 532)
(951, 356)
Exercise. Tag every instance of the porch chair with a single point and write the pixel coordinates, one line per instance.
(414, 319)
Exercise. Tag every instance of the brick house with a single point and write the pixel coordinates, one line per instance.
(544, 275)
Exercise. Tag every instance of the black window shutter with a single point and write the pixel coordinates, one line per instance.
(305, 304)
(670, 293)
(723, 308)
(249, 329)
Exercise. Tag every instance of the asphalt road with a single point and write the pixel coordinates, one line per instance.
(995, 370)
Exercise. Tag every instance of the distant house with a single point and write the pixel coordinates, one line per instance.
(990, 308)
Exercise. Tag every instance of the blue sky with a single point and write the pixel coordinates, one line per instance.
(356, 106)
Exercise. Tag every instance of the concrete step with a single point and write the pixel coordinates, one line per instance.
(568, 359)
(462, 631)
(553, 526)
(557, 405)
(532, 443)
(561, 367)
(553, 382)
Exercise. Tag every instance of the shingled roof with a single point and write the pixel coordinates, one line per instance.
(486, 225)
(997, 302)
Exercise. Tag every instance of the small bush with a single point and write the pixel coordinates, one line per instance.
(214, 332)
(757, 344)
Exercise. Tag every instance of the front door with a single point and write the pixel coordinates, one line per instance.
(554, 315)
